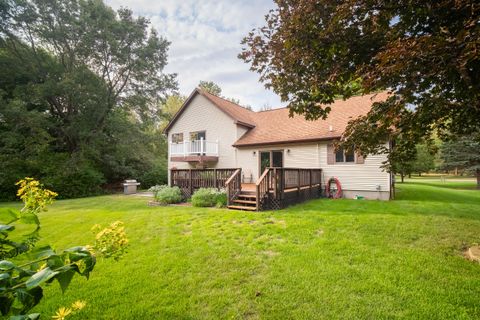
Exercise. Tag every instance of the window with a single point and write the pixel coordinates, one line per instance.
(177, 138)
(344, 156)
(198, 135)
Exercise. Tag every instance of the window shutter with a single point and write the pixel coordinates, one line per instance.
(330, 154)
(359, 159)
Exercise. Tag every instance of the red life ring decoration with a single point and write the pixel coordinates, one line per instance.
(333, 188)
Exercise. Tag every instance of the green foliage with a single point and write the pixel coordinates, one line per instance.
(414, 159)
(167, 195)
(209, 197)
(210, 87)
(424, 53)
(14, 240)
(463, 152)
(21, 282)
(170, 107)
(424, 160)
(71, 116)
(110, 242)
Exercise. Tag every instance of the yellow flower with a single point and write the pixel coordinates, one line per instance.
(43, 266)
(78, 305)
(62, 313)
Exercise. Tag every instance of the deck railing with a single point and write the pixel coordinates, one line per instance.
(189, 180)
(233, 186)
(280, 187)
(195, 147)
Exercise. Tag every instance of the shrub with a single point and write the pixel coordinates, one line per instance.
(167, 195)
(155, 175)
(209, 197)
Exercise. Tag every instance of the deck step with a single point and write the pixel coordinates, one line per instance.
(243, 208)
(245, 201)
(249, 196)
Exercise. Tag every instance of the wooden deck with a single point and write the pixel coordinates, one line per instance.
(275, 189)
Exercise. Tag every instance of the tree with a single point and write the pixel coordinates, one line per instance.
(210, 87)
(463, 152)
(77, 76)
(424, 159)
(170, 107)
(215, 89)
(425, 53)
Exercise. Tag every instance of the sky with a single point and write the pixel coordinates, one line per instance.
(205, 40)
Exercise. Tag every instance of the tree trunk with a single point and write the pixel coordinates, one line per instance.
(478, 178)
(409, 175)
(402, 176)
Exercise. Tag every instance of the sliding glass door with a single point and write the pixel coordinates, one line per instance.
(273, 158)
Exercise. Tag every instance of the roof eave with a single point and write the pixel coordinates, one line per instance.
(256, 144)
(241, 123)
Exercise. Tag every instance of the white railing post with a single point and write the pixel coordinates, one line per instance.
(184, 148)
(216, 147)
(201, 146)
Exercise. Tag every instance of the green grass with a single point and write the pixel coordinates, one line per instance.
(325, 259)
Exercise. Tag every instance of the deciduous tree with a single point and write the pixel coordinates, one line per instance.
(424, 53)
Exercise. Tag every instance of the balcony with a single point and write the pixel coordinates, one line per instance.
(194, 151)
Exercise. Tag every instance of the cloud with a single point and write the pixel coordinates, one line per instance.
(205, 41)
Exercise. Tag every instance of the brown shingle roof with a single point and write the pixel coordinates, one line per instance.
(275, 126)
(240, 114)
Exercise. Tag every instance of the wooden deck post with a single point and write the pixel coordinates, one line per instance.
(190, 185)
(275, 184)
(215, 183)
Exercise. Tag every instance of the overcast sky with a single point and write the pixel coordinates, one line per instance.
(205, 40)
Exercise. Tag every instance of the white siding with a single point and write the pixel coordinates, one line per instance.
(202, 115)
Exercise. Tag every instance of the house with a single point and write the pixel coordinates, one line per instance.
(211, 132)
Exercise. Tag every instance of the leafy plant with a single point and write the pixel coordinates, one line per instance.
(21, 283)
(209, 197)
(168, 195)
(111, 241)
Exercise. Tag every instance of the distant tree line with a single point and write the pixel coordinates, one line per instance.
(459, 155)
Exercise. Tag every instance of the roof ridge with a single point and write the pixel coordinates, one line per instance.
(203, 91)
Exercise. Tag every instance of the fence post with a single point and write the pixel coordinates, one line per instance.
(190, 186)
(310, 182)
(215, 178)
(298, 182)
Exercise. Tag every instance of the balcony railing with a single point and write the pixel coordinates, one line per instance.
(194, 148)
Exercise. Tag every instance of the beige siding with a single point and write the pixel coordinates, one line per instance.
(202, 115)
(354, 177)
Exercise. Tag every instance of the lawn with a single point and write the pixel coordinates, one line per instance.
(325, 259)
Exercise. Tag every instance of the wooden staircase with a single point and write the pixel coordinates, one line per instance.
(245, 200)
